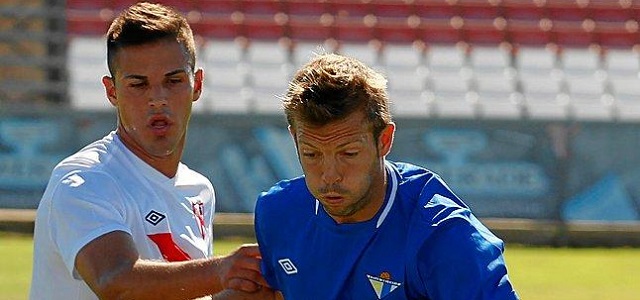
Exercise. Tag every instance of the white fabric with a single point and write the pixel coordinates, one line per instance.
(105, 188)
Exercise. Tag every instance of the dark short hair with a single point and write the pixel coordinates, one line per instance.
(330, 87)
(144, 23)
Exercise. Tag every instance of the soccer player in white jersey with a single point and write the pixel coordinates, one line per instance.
(357, 226)
(123, 218)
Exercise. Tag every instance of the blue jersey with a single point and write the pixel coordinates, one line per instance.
(424, 243)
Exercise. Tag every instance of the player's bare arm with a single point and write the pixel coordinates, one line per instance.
(111, 267)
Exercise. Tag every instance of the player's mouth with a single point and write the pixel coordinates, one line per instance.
(159, 124)
(333, 199)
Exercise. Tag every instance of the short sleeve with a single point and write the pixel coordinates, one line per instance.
(84, 206)
(460, 262)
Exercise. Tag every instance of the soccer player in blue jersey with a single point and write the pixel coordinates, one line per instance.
(357, 226)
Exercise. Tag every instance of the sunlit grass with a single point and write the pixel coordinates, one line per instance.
(537, 273)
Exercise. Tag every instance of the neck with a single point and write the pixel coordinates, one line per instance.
(367, 209)
(167, 165)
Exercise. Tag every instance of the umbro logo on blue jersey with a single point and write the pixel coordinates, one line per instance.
(382, 284)
(288, 266)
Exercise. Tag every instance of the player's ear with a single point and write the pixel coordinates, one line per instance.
(197, 84)
(385, 140)
(110, 89)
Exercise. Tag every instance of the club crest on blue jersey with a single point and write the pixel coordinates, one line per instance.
(383, 285)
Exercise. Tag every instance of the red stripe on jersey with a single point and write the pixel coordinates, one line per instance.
(169, 249)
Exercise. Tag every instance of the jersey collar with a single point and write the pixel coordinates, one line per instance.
(393, 174)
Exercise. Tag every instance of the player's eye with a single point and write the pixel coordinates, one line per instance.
(175, 80)
(350, 152)
(309, 154)
(137, 84)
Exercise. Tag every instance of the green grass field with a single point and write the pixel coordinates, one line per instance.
(537, 273)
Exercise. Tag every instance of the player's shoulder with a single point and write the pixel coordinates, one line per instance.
(420, 185)
(69, 189)
(94, 168)
(411, 178)
(432, 195)
(435, 204)
(440, 209)
(449, 222)
(93, 156)
(448, 232)
(411, 172)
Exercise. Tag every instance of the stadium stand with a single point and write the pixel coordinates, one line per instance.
(501, 59)
(557, 60)
(32, 53)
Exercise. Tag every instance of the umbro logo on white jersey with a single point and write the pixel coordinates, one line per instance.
(288, 266)
(154, 217)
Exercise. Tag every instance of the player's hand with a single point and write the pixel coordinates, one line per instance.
(240, 270)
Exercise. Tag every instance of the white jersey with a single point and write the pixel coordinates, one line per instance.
(105, 188)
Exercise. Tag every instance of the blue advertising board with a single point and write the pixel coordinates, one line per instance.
(512, 169)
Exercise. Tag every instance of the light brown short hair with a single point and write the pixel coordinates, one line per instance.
(331, 87)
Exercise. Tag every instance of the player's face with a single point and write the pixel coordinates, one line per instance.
(153, 89)
(343, 166)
